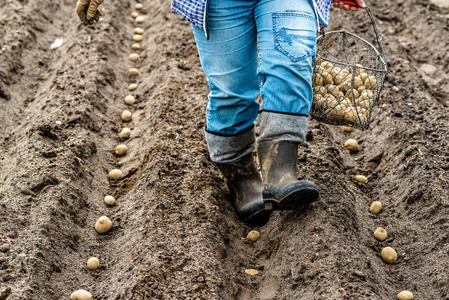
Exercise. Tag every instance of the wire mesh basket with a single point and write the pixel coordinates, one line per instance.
(349, 74)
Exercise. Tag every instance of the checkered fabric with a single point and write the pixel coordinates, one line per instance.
(195, 11)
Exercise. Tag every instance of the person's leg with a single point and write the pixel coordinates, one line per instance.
(229, 59)
(287, 47)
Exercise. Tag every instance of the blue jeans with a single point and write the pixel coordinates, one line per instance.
(257, 47)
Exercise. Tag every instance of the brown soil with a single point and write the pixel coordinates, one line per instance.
(174, 235)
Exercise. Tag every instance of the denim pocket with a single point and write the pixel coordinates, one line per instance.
(295, 34)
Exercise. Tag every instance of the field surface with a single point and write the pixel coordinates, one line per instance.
(174, 234)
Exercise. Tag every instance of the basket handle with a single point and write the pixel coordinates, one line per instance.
(353, 3)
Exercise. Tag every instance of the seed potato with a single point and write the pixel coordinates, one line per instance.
(380, 234)
(346, 86)
(371, 83)
(359, 70)
(139, 6)
(352, 145)
(103, 224)
(363, 76)
(127, 116)
(350, 115)
(318, 80)
(253, 236)
(138, 30)
(405, 295)
(375, 207)
(121, 150)
(335, 71)
(328, 79)
(125, 133)
(327, 65)
(134, 14)
(109, 200)
(132, 87)
(134, 57)
(81, 295)
(251, 272)
(389, 255)
(339, 79)
(93, 263)
(357, 82)
(137, 38)
(347, 129)
(115, 174)
(140, 19)
(352, 94)
(361, 179)
(133, 71)
(135, 46)
(320, 90)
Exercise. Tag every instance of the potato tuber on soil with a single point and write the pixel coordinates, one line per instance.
(133, 71)
(137, 38)
(138, 30)
(127, 116)
(139, 6)
(134, 14)
(361, 179)
(130, 100)
(93, 263)
(251, 272)
(121, 150)
(81, 295)
(347, 129)
(115, 174)
(125, 133)
(352, 145)
(380, 234)
(135, 46)
(103, 224)
(134, 57)
(140, 20)
(375, 207)
(132, 86)
(405, 295)
(389, 255)
(109, 200)
(253, 236)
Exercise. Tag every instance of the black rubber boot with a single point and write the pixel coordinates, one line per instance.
(281, 189)
(245, 185)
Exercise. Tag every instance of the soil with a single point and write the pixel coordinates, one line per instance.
(174, 234)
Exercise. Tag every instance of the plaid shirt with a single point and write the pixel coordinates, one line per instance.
(195, 11)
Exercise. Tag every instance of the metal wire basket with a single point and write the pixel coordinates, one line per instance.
(349, 74)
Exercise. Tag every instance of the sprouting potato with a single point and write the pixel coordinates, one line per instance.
(135, 46)
(93, 263)
(371, 83)
(127, 116)
(132, 87)
(140, 19)
(375, 207)
(328, 79)
(121, 150)
(125, 133)
(327, 65)
(320, 90)
(380, 234)
(352, 145)
(361, 179)
(115, 174)
(389, 255)
(253, 236)
(81, 295)
(318, 79)
(405, 295)
(134, 14)
(103, 224)
(138, 30)
(133, 71)
(134, 57)
(109, 200)
(139, 6)
(137, 38)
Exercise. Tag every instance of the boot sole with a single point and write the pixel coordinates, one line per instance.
(298, 199)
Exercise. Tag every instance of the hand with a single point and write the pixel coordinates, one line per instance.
(88, 11)
(343, 4)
